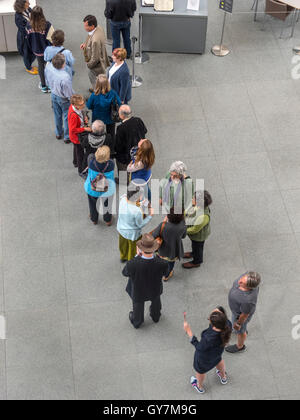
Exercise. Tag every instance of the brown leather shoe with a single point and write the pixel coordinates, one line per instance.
(188, 255)
(190, 265)
(169, 276)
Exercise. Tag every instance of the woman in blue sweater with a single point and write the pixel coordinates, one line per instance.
(209, 350)
(100, 103)
(100, 163)
(119, 75)
(37, 34)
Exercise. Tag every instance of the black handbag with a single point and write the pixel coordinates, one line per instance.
(114, 111)
(84, 139)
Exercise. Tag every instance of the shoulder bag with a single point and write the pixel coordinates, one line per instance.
(100, 183)
(114, 111)
(159, 239)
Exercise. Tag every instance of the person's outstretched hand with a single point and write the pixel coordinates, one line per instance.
(187, 329)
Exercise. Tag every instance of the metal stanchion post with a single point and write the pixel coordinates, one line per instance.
(109, 40)
(141, 57)
(221, 50)
(136, 81)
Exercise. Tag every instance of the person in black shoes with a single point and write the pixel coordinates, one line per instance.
(197, 219)
(120, 12)
(242, 301)
(129, 133)
(145, 273)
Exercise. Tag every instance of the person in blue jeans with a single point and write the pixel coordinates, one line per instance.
(120, 12)
(60, 83)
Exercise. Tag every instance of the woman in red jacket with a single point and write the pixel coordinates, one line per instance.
(76, 126)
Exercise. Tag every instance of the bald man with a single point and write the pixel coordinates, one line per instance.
(129, 133)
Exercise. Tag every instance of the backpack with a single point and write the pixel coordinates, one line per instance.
(100, 183)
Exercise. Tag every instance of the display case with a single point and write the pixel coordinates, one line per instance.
(179, 31)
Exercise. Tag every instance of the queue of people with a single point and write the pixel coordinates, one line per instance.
(115, 133)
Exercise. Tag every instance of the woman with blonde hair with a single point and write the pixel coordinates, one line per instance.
(100, 166)
(100, 103)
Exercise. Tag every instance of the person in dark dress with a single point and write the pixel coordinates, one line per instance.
(210, 348)
(22, 17)
(171, 231)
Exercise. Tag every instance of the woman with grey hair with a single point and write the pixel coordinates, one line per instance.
(95, 139)
(197, 218)
(176, 189)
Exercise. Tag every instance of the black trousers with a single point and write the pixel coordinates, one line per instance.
(107, 213)
(41, 67)
(78, 157)
(139, 308)
(111, 129)
(197, 251)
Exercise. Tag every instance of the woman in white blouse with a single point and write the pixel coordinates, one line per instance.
(119, 75)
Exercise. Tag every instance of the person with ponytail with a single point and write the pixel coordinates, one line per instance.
(39, 31)
(210, 348)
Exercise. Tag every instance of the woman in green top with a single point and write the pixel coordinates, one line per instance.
(198, 223)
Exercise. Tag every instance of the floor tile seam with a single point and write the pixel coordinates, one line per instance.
(76, 305)
(280, 190)
(66, 293)
(4, 307)
(223, 185)
(270, 162)
(230, 210)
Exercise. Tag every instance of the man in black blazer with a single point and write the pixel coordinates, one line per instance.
(120, 12)
(129, 133)
(145, 273)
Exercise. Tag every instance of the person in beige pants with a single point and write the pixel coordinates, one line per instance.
(94, 49)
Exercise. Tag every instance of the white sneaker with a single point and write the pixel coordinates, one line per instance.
(224, 381)
(194, 384)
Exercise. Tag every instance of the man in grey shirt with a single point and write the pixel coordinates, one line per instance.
(242, 301)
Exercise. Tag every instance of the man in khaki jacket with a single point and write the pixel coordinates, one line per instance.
(94, 49)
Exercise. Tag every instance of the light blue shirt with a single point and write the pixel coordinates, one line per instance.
(130, 221)
(50, 52)
(59, 81)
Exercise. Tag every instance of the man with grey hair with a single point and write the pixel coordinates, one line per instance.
(176, 189)
(60, 83)
(242, 301)
(129, 133)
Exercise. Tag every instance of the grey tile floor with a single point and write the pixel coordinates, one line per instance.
(235, 122)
